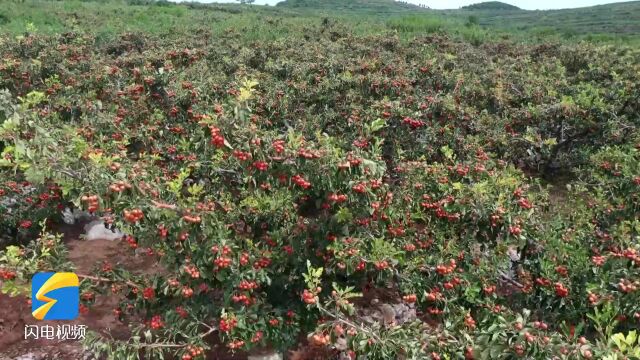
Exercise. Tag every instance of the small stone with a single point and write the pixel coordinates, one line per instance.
(96, 230)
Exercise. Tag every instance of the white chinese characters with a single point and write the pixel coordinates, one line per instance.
(49, 332)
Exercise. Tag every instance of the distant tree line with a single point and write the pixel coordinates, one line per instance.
(418, 5)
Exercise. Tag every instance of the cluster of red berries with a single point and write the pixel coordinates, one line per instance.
(247, 285)
(627, 286)
(561, 290)
(257, 336)
(319, 340)
(192, 219)
(300, 181)
(415, 124)
(449, 285)
(241, 155)
(162, 231)
(7, 275)
(310, 297)
(541, 325)
(515, 230)
(360, 188)
(262, 263)
(598, 260)
(148, 293)
(443, 269)
(235, 344)
(192, 270)
(25, 224)
(309, 154)
(488, 290)
(131, 241)
(469, 321)
(562, 270)
(460, 169)
(133, 216)
(278, 146)
(411, 298)
(244, 258)
(227, 325)
(192, 352)
(182, 312)
(119, 186)
(216, 137)
(246, 300)
(337, 197)
(409, 247)
(524, 203)
(629, 253)
(187, 292)
(222, 262)
(91, 202)
(156, 322)
(261, 165)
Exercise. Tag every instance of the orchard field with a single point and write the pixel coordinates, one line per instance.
(324, 187)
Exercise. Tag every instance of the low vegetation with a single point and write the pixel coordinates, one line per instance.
(283, 172)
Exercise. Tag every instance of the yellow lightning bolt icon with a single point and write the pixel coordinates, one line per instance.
(57, 281)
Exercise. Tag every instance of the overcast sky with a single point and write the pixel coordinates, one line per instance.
(454, 4)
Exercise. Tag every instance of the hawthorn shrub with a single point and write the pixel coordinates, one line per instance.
(274, 183)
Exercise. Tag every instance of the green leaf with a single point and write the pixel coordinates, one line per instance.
(34, 176)
(377, 125)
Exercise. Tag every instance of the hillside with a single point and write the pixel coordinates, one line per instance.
(618, 22)
(491, 5)
(372, 7)
(609, 20)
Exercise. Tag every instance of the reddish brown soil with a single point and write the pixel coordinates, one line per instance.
(15, 312)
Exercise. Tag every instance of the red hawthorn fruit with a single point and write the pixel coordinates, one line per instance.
(524, 203)
(235, 344)
(488, 290)
(227, 325)
(156, 322)
(468, 353)
(598, 260)
(148, 293)
(261, 165)
(411, 298)
(469, 322)
(182, 312)
(25, 224)
(83, 309)
(134, 215)
(561, 290)
(308, 297)
(7, 275)
(561, 270)
(515, 230)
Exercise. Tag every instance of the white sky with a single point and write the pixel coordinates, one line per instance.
(454, 4)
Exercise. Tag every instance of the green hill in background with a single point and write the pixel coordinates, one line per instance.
(491, 5)
(478, 23)
(369, 7)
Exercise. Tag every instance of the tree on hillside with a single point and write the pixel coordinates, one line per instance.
(246, 1)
